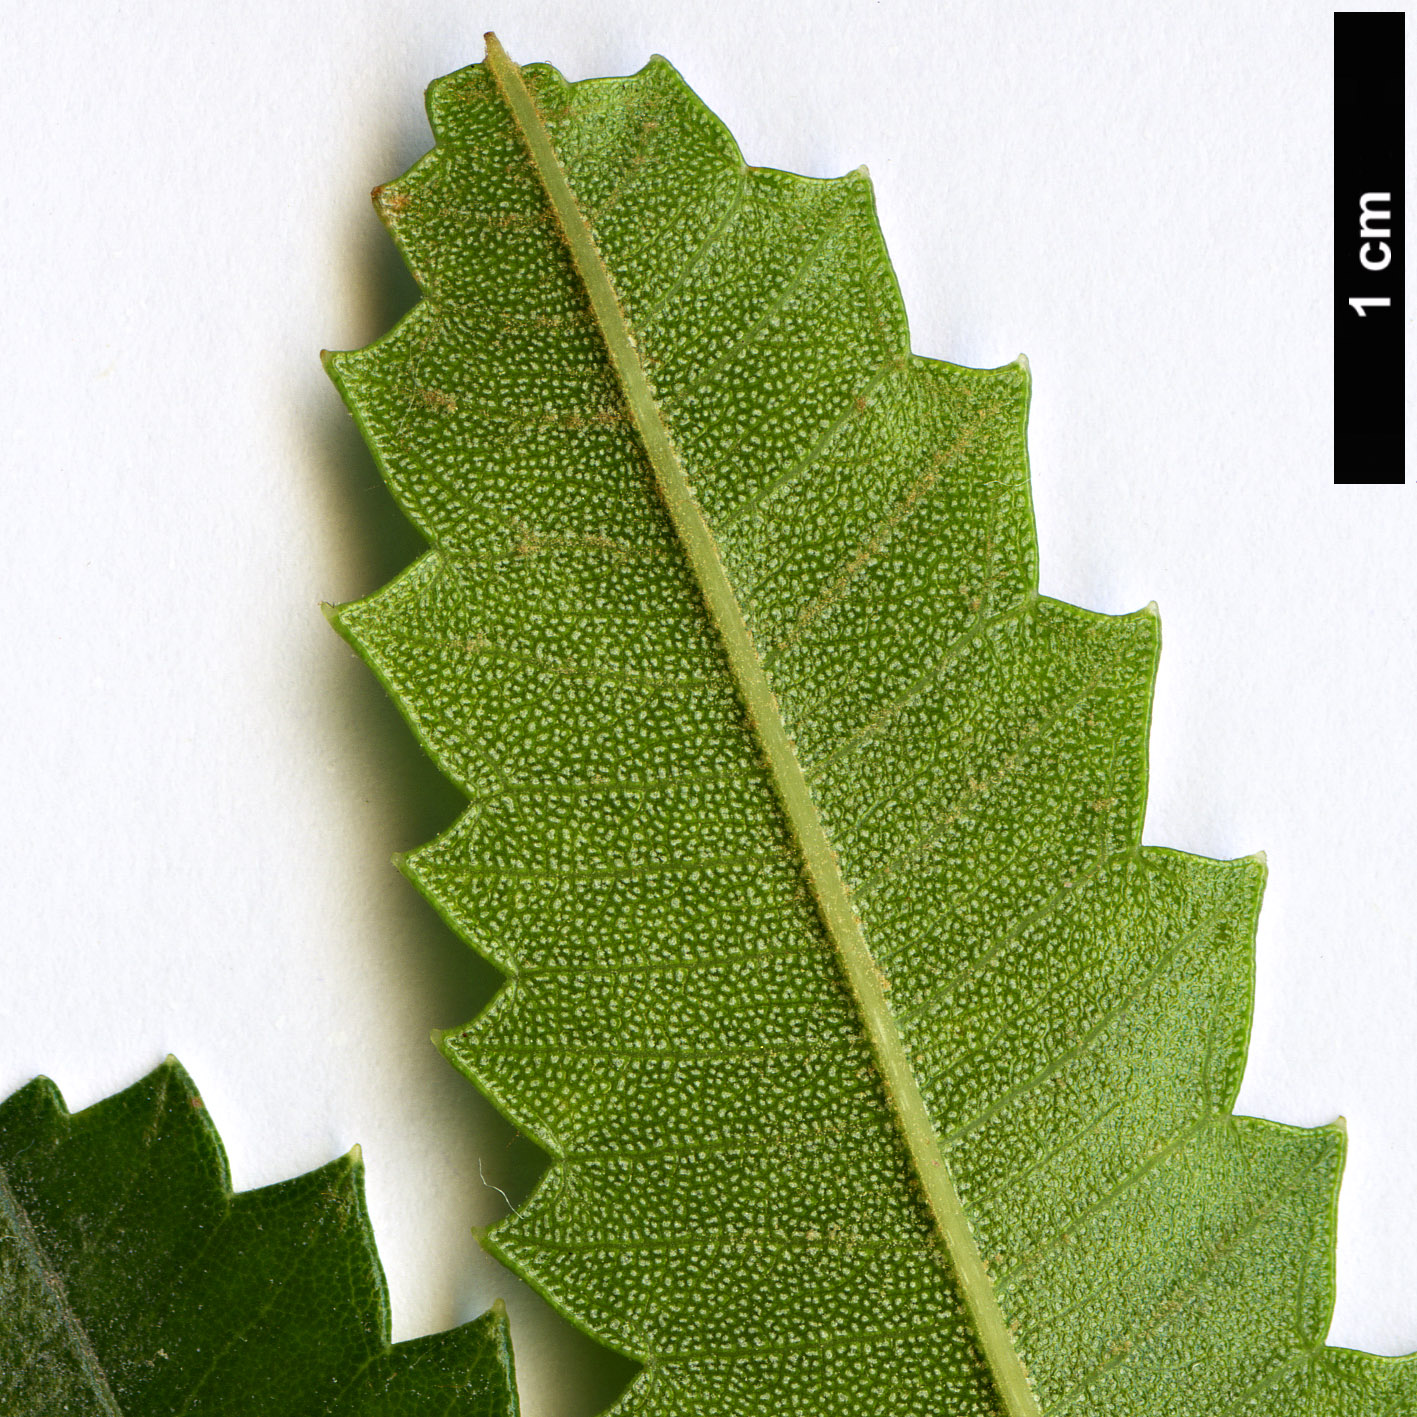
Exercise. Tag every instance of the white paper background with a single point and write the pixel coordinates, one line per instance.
(202, 788)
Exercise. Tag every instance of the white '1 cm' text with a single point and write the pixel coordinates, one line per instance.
(1374, 254)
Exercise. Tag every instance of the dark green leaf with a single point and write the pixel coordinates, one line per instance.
(134, 1283)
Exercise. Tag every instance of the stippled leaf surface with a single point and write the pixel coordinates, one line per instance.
(133, 1283)
(882, 1069)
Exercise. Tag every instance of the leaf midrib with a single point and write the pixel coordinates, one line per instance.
(779, 755)
(33, 1255)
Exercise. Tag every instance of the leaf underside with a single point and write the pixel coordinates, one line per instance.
(133, 1283)
(735, 1196)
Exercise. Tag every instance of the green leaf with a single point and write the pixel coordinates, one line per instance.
(882, 1068)
(133, 1283)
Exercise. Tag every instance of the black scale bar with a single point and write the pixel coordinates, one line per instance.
(1369, 221)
